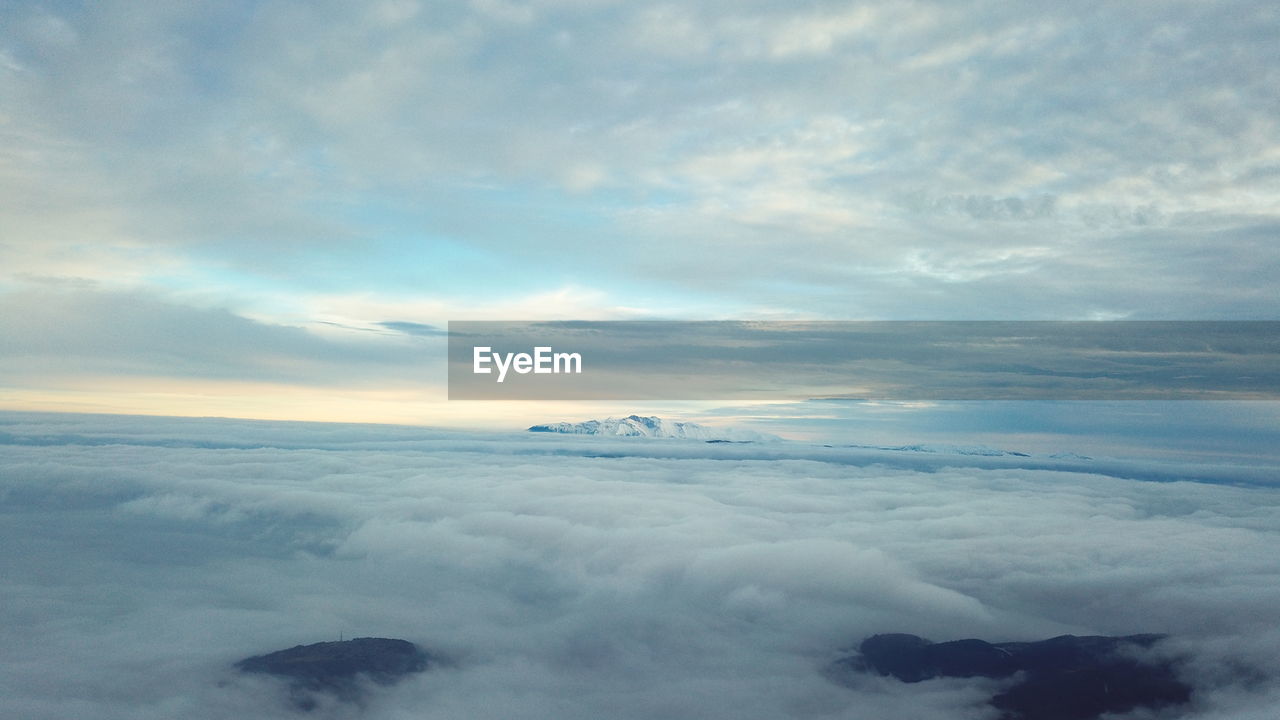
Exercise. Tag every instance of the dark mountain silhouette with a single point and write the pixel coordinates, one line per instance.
(339, 668)
(1063, 678)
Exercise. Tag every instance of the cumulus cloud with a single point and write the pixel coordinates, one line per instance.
(580, 577)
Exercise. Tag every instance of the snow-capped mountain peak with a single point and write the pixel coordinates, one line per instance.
(653, 427)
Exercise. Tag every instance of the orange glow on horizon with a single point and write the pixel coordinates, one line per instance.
(426, 406)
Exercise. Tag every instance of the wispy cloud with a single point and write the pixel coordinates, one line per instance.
(883, 160)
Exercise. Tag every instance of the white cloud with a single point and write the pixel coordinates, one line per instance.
(566, 577)
(750, 140)
(818, 34)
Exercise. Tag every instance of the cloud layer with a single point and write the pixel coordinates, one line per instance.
(872, 160)
(566, 577)
(368, 172)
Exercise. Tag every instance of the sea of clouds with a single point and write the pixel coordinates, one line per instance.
(579, 577)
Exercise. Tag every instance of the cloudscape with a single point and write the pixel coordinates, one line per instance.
(232, 203)
(568, 576)
(953, 323)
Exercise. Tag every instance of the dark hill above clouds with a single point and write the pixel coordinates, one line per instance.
(336, 668)
(1062, 678)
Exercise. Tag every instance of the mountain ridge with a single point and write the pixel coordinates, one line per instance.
(653, 427)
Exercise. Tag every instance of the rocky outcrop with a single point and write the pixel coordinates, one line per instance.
(1062, 678)
(340, 669)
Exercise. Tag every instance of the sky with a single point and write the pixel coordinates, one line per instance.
(269, 209)
(273, 210)
(585, 577)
